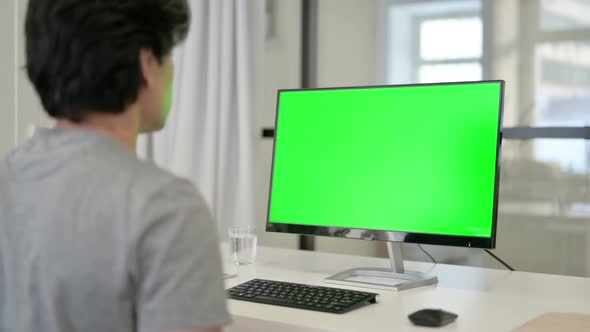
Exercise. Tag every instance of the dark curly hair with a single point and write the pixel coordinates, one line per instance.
(84, 55)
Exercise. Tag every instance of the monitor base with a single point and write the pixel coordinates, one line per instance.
(370, 277)
(395, 278)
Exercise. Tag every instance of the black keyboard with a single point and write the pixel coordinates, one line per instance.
(327, 299)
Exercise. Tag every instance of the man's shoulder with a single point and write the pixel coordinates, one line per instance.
(148, 178)
(118, 160)
(145, 188)
(139, 180)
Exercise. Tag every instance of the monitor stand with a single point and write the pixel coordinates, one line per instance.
(395, 278)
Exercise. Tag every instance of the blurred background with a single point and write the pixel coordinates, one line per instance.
(541, 48)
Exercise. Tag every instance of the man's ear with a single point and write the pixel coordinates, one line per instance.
(149, 66)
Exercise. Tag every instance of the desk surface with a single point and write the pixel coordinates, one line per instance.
(484, 299)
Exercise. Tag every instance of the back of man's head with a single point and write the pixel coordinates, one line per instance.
(85, 55)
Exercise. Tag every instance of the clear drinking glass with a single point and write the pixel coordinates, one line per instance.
(242, 244)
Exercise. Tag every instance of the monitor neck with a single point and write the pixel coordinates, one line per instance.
(396, 258)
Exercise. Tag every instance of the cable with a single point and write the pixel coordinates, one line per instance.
(427, 254)
(500, 260)
(486, 250)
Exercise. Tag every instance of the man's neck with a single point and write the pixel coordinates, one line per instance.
(122, 127)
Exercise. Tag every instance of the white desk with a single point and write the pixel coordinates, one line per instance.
(484, 299)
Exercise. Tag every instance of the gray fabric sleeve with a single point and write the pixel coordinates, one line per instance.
(180, 276)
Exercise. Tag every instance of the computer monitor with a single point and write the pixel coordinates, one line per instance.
(398, 163)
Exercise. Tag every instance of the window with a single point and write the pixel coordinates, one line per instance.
(450, 49)
(434, 41)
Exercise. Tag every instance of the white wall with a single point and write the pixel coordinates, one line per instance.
(347, 42)
(21, 108)
(7, 76)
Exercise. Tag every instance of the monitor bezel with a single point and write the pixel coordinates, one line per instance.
(393, 236)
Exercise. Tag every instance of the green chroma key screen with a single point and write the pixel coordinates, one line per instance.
(419, 159)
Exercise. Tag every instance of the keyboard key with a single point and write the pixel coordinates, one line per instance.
(274, 299)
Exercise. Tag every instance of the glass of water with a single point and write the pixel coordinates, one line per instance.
(243, 244)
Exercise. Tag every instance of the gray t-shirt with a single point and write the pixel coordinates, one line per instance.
(93, 239)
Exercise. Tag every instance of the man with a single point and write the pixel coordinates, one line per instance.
(91, 238)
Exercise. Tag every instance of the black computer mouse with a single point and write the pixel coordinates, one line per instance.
(432, 317)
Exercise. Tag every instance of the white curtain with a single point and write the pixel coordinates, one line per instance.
(209, 137)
